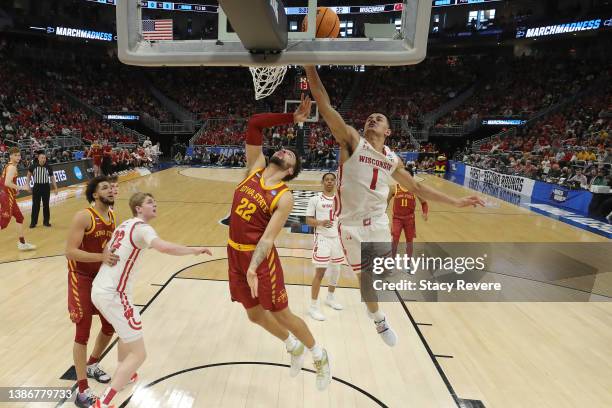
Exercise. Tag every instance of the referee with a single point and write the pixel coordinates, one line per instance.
(43, 176)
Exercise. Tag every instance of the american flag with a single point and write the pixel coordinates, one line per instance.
(157, 29)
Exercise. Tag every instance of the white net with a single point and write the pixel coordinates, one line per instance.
(266, 79)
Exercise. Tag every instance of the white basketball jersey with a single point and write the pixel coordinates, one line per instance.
(363, 184)
(128, 241)
(322, 208)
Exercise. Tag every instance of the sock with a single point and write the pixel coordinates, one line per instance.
(317, 352)
(315, 303)
(82, 385)
(378, 316)
(92, 360)
(108, 395)
(21, 240)
(290, 342)
(330, 296)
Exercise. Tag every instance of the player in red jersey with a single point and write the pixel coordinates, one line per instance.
(89, 232)
(96, 153)
(261, 205)
(8, 198)
(404, 203)
(107, 159)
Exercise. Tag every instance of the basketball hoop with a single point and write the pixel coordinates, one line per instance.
(266, 79)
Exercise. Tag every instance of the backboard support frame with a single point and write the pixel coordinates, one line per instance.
(303, 48)
(292, 104)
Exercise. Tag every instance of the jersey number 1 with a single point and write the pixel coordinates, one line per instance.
(374, 179)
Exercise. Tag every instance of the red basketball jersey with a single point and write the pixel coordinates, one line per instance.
(404, 203)
(96, 153)
(94, 241)
(10, 191)
(252, 208)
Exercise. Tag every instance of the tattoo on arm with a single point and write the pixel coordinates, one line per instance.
(260, 254)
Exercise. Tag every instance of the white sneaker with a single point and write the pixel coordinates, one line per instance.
(26, 247)
(323, 371)
(315, 313)
(386, 332)
(96, 372)
(333, 304)
(297, 359)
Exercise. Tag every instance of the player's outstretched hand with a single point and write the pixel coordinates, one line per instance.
(303, 111)
(201, 251)
(473, 201)
(252, 281)
(109, 258)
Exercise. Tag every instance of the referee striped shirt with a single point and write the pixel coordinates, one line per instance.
(41, 174)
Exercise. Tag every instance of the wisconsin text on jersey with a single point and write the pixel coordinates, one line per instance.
(375, 162)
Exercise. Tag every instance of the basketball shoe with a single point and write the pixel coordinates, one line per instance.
(26, 246)
(85, 399)
(315, 313)
(297, 359)
(323, 371)
(386, 332)
(331, 302)
(94, 371)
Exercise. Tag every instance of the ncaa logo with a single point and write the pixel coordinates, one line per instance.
(77, 173)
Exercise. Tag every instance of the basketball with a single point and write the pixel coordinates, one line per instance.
(328, 23)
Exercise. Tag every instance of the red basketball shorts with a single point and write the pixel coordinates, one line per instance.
(9, 209)
(271, 292)
(405, 224)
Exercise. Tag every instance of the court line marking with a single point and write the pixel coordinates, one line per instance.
(146, 306)
(437, 365)
(340, 380)
(308, 249)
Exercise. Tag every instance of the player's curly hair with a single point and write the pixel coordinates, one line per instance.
(92, 187)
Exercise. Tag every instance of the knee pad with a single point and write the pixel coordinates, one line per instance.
(333, 274)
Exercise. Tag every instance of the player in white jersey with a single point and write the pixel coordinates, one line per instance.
(112, 288)
(327, 254)
(367, 167)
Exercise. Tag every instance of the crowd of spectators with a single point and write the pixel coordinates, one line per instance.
(200, 155)
(32, 112)
(526, 85)
(570, 146)
(227, 92)
(95, 82)
(409, 92)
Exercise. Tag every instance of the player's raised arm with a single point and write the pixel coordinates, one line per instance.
(265, 244)
(346, 136)
(254, 140)
(403, 177)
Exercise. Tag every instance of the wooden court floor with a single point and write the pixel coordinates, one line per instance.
(202, 352)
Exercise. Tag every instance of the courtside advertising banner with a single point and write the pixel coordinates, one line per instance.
(66, 174)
